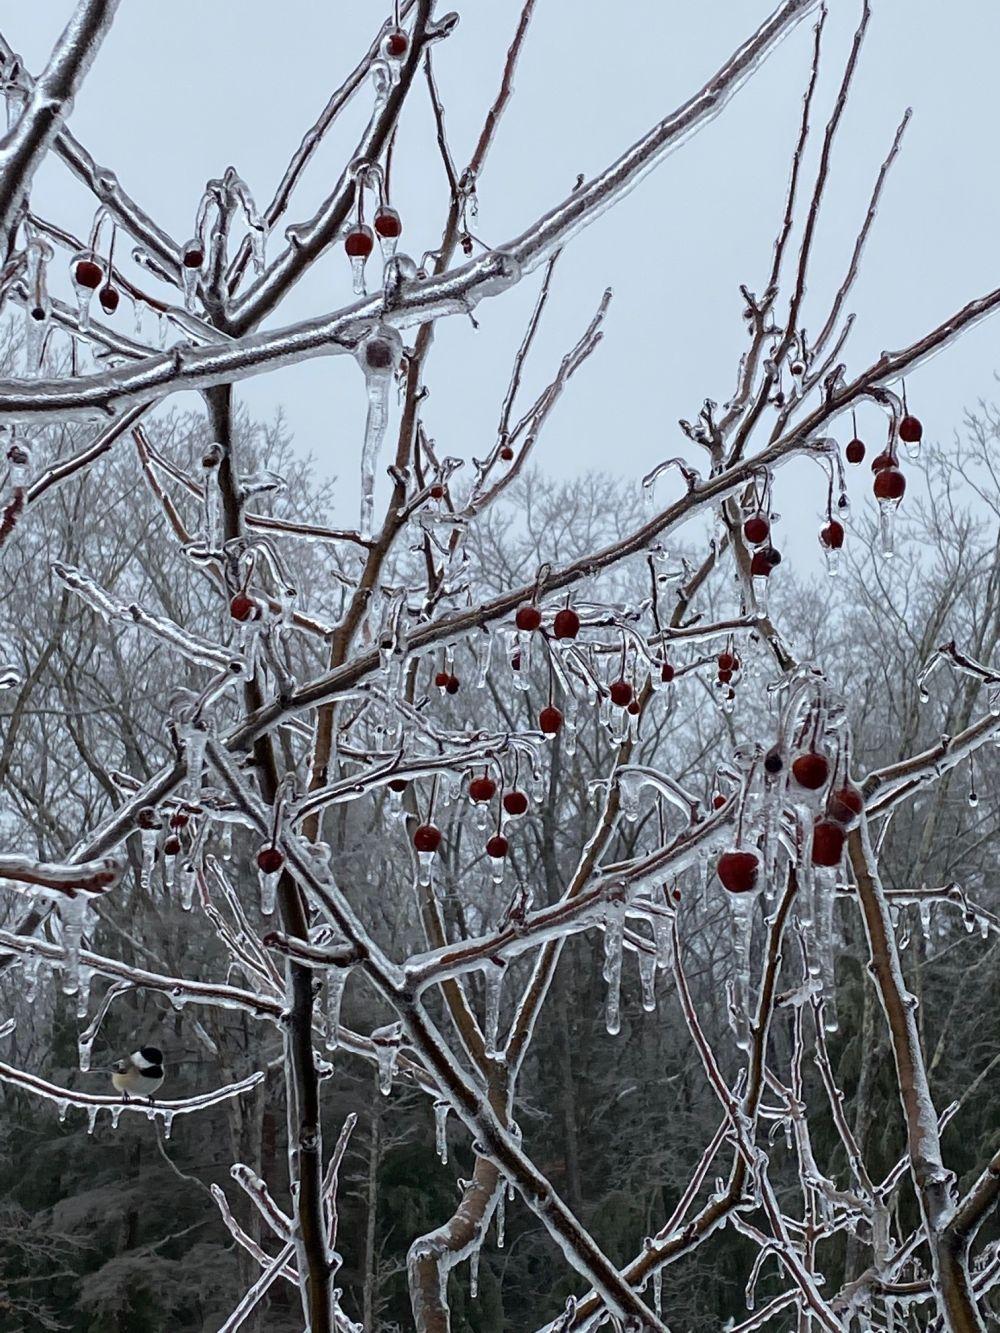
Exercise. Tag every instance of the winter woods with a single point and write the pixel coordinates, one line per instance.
(368, 829)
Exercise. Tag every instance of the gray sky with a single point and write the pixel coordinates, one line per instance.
(182, 90)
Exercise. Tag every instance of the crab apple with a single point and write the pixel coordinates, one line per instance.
(634, 708)
(171, 846)
(193, 257)
(426, 838)
(845, 804)
(179, 819)
(108, 297)
(566, 624)
(728, 662)
(441, 680)
(482, 789)
(855, 451)
(667, 672)
(621, 693)
(243, 607)
(798, 367)
(387, 224)
(718, 801)
(725, 676)
(437, 491)
(832, 536)
(910, 430)
(528, 617)
(515, 802)
(773, 762)
(497, 847)
(883, 460)
(811, 770)
(515, 661)
(270, 860)
(453, 684)
(756, 530)
(550, 720)
(827, 842)
(397, 44)
(737, 871)
(398, 784)
(88, 273)
(890, 484)
(760, 565)
(359, 242)
(507, 453)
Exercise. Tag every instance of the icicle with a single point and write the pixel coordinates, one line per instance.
(62, 1107)
(268, 889)
(658, 1291)
(614, 932)
(379, 356)
(148, 836)
(647, 976)
(168, 1123)
(92, 1118)
(441, 1109)
(83, 993)
(116, 1115)
(493, 974)
(886, 526)
(474, 1273)
(73, 916)
(195, 739)
(387, 1041)
(188, 878)
(629, 785)
(823, 934)
(37, 308)
(741, 907)
(336, 980)
(501, 1218)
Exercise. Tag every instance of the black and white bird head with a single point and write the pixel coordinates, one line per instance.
(140, 1074)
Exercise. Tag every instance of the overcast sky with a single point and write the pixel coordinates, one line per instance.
(181, 90)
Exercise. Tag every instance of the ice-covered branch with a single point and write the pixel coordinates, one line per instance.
(67, 878)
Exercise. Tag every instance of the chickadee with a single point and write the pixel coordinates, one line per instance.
(140, 1075)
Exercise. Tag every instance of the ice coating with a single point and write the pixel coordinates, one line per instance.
(379, 355)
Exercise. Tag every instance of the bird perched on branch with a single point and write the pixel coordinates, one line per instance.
(140, 1075)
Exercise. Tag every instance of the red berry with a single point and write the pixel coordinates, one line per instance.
(243, 607)
(737, 871)
(172, 846)
(507, 453)
(621, 693)
(437, 491)
(427, 838)
(566, 623)
(482, 789)
(890, 484)
(441, 680)
(855, 451)
(550, 720)
(832, 536)
(845, 805)
(396, 45)
(772, 556)
(515, 802)
(718, 801)
(725, 677)
(756, 529)
(515, 661)
(108, 297)
(760, 566)
(194, 257)
(398, 784)
(773, 762)
(386, 222)
(88, 273)
(528, 618)
(452, 686)
(883, 460)
(178, 819)
(667, 672)
(497, 846)
(634, 708)
(827, 843)
(270, 860)
(359, 242)
(811, 770)
(729, 662)
(910, 430)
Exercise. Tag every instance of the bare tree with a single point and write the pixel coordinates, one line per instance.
(327, 720)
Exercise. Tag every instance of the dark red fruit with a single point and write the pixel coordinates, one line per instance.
(621, 693)
(845, 804)
(667, 672)
(398, 784)
(243, 607)
(760, 566)
(729, 662)
(172, 846)
(566, 623)
(772, 556)
(452, 686)
(890, 484)
(437, 491)
(855, 451)
(883, 460)
(270, 860)
(811, 770)
(88, 274)
(359, 242)
(515, 661)
(528, 618)
(773, 762)
(108, 297)
(550, 720)
(910, 430)
(832, 536)
(441, 680)
(482, 789)
(194, 257)
(427, 838)
(756, 529)
(497, 846)
(386, 222)
(827, 843)
(396, 45)
(737, 871)
(718, 801)
(634, 708)
(507, 453)
(515, 802)
(725, 677)
(179, 819)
